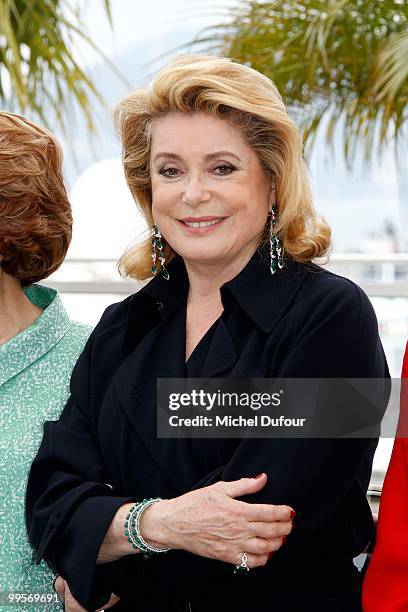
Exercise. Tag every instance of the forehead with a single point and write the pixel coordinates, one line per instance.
(196, 132)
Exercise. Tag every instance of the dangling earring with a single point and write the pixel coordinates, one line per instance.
(157, 240)
(276, 247)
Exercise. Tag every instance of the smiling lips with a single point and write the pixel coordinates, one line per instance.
(201, 225)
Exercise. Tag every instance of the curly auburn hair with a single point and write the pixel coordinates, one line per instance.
(35, 213)
(251, 103)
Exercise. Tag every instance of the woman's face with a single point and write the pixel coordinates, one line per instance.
(201, 168)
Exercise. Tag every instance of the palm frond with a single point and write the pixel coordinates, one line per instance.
(38, 66)
(342, 60)
(392, 67)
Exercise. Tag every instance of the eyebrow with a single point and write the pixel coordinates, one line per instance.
(209, 156)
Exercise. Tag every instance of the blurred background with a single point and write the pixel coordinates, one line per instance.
(341, 66)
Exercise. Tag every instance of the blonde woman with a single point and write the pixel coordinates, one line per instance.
(215, 165)
(39, 344)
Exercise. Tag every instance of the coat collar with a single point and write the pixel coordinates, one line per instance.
(34, 342)
(262, 296)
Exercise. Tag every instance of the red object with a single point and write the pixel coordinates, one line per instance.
(385, 586)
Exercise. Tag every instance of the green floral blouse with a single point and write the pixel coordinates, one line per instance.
(35, 370)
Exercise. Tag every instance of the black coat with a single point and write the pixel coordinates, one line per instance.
(103, 452)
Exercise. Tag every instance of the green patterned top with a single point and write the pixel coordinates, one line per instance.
(35, 370)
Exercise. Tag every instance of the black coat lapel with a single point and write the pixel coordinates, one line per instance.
(160, 354)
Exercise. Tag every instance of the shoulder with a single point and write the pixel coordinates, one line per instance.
(323, 289)
(79, 332)
(110, 332)
(332, 305)
(114, 317)
(333, 330)
(69, 346)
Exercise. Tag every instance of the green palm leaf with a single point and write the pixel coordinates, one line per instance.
(342, 60)
(39, 71)
(392, 67)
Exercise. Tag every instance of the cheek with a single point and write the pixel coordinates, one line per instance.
(254, 210)
(162, 200)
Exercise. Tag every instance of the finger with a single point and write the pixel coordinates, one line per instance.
(252, 560)
(268, 513)
(59, 587)
(71, 604)
(243, 486)
(270, 530)
(260, 546)
(112, 602)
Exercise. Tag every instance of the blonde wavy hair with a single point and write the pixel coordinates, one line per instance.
(250, 102)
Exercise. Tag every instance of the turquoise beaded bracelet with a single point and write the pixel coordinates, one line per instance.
(132, 527)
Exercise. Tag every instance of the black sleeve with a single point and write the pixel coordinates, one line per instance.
(69, 505)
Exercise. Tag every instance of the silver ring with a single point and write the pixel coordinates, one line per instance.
(242, 568)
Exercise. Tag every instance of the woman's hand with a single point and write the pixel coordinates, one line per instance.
(209, 522)
(70, 603)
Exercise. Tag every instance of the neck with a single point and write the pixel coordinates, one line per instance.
(206, 278)
(16, 311)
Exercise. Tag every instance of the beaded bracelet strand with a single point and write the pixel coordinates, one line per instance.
(132, 528)
(128, 527)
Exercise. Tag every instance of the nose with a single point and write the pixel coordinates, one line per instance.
(195, 191)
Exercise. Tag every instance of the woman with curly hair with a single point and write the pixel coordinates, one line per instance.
(39, 344)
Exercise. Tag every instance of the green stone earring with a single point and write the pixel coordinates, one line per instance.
(157, 242)
(276, 247)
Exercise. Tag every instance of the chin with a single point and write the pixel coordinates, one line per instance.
(201, 255)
